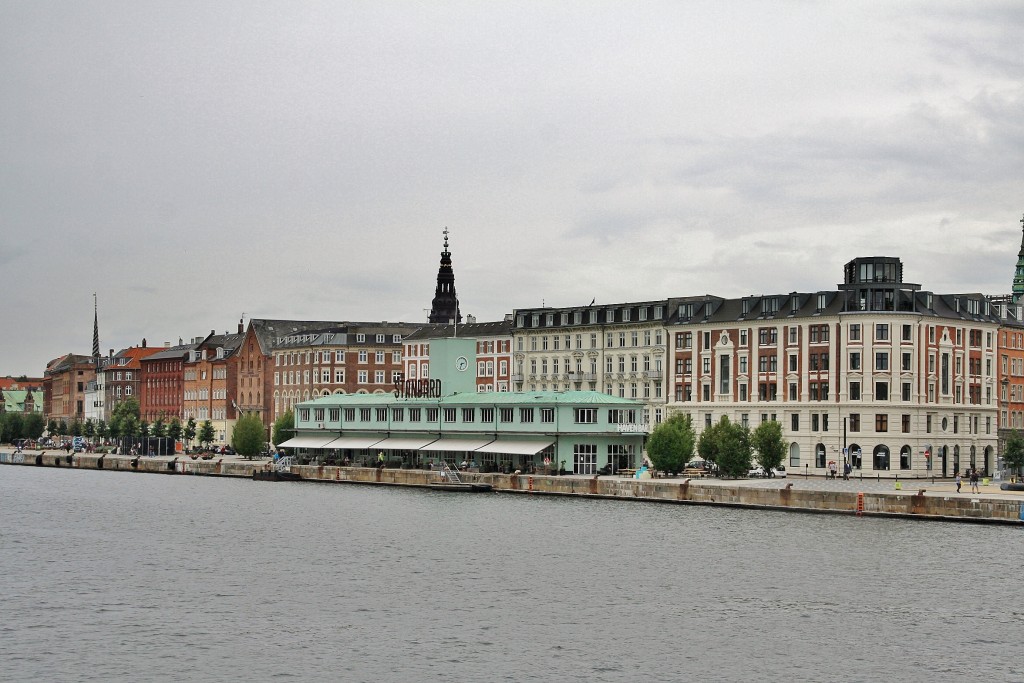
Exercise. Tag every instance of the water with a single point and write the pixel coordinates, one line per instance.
(128, 577)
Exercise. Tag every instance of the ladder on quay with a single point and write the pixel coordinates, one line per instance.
(448, 474)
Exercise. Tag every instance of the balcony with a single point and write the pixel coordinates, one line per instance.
(517, 378)
(589, 376)
(652, 374)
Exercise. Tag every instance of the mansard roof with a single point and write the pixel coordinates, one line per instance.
(500, 328)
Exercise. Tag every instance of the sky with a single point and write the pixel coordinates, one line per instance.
(198, 163)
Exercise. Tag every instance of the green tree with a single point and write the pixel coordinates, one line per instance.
(247, 438)
(77, 428)
(89, 428)
(33, 426)
(130, 426)
(766, 440)
(190, 431)
(127, 407)
(14, 428)
(1013, 452)
(728, 446)
(101, 429)
(143, 429)
(62, 428)
(206, 433)
(158, 428)
(284, 427)
(174, 430)
(670, 445)
(51, 427)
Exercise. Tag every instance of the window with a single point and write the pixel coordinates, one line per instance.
(881, 391)
(382, 414)
(450, 414)
(855, 332)
(487, 415)
(854, 422)
(584, 456)
(397, 414)
(881, 360)
(378, 377)
(905, 420)
(360, 338)
(855, 360)
(547, 415)
(469, 414)
(881, 332)
(363, 356)
(526, 415)
(794, 422)
(906, 333)
(881, 422)
(505, 415)
(363, 377)
(905, 395)
(364, 414)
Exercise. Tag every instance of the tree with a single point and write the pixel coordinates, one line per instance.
(728, 446)
(670, 445)
(33, 426)
(284, 427)
(206, 433)
(247, 438)
(1013, 452)
(77, 428)
(143, 429)
(190, 431)
(89, 428)
(62, 428)
(101, 429)
(158, 428)
(174, 429)
(51, 427)
(767, 441)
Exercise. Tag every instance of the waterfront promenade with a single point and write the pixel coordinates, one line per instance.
(919, 498)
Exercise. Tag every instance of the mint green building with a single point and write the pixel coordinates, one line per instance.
(583, 432)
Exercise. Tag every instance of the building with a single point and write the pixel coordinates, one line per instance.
(209, 381)
(64, 384)
(895, 380)
(617, 349)
(23, 401)
(341, 358)
(493, 352)
(161, 382)
(444, 418)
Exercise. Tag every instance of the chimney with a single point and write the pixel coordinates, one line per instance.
(239, 326)
(167, 345)
(143, 342)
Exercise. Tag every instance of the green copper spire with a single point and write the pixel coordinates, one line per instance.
(1018, 275)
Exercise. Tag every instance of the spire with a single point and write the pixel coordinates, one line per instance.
(445, 306)
(1018, 275)
(95, 329)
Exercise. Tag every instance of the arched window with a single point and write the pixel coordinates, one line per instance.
(956, 459)
(856, 461)
(880, 457)
(905, 457)
(973, 457)
(794, 454)
(819, 456)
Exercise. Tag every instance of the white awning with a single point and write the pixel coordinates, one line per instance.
(311, 441)
(515, 447)
(403, 444)
(456, 445)
(356, 442)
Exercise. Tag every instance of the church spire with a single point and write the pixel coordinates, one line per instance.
(1018, 275)
(95, 329)
(445, 306)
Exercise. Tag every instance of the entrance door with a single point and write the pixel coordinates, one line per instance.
(943, 452)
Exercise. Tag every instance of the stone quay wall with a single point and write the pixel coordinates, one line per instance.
(909, 504)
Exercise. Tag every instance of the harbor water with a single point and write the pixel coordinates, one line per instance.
(123, 577)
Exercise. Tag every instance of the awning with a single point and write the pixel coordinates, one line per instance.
(318, 441)
(456, 445)
(515, 447)
(403, 444)
(354, 442)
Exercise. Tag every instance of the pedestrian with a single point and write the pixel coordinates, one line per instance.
(832, 469)
(959, 482)
(974, 481)
(846, 470)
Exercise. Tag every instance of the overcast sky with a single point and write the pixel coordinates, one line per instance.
(196, 162)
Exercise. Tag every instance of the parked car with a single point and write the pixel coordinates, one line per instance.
(758, 471)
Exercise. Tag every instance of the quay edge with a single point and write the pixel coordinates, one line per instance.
(902, 504)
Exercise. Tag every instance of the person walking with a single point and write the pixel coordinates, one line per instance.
(846, 471)
(974, 481)
(959, 482)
